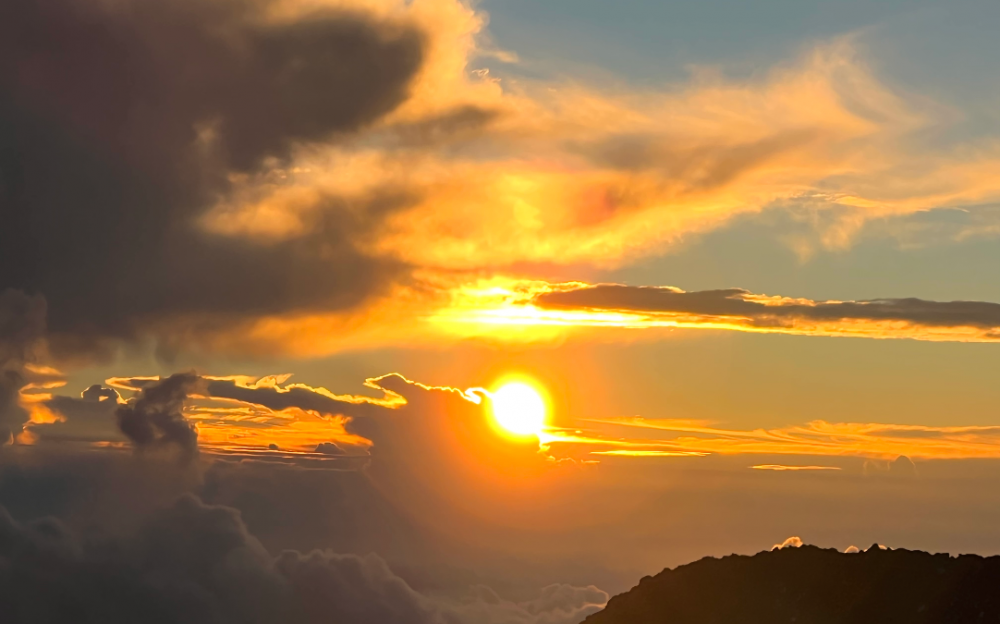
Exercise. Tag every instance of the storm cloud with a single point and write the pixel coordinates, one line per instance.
(155, 419)
(121, 123)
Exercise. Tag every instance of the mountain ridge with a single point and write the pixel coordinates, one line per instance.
(812, 585)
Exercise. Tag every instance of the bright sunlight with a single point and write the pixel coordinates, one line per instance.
(519, 409)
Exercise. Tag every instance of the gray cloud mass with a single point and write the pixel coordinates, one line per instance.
(122, 122)
(22, 326)
(196, 563)
(155, 419)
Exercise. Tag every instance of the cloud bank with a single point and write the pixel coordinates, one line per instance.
(22, 327)
(194, 562)
(889, 447)
(734, 308)
(240, 176)
(124, 121)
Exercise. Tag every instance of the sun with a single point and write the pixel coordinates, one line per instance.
(519, 409)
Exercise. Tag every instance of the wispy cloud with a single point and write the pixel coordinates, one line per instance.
(817, 438)
(739, 309)
(783, 468)
(535, 304)
(648, 453)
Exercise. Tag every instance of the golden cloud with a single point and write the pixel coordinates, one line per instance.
(473, 176)
(817, 438)
(576, 305)
(516, 171)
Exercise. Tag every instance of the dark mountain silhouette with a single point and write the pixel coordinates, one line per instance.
(810, 585)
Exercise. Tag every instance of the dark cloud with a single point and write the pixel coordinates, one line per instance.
(329, 448)
(361, 412)
(901, 467)
(22, 325)
(428, 494)
(87, 490)
(197, 563)
(87, 418)
(98, 393)
(122, 122)
(155, 420)
(450, 127)
(739, 303)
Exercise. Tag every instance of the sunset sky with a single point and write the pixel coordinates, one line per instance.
(739, 261)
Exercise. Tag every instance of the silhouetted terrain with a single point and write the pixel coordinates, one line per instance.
(810, 585)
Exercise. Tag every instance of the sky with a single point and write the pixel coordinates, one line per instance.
(269, 270)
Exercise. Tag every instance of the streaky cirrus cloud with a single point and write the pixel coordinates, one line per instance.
(886, 447)
(793, 468)
(615, 175)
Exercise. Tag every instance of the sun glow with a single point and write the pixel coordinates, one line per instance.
(519, 409)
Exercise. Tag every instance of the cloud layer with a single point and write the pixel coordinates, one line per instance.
(198, 563)
(239, 176)
(22, 327)
(734, 308)
(878, 441)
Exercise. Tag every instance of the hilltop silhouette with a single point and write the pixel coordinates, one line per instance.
(810, 585)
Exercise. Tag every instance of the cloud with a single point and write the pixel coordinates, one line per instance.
(269, 184)
(617, 175)
(887, 448)
(242, 415)
(899, 467)
(22, 327)
(245, 416)
(194, 562)
(125, 121)
(417, 431)
(329, 448)
(411, 433)
(791, 542)
(155, 420)
(784, 468)
(269, 392)
(88, 418)
(611, 305)
(647, 453)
